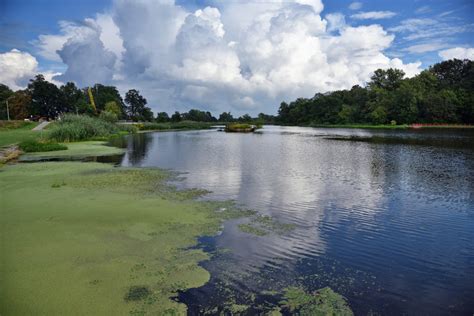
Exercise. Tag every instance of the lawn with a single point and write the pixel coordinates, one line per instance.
(15, 133)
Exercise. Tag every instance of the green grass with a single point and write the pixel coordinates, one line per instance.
(84, 237)
(30, 146)
(14, 132)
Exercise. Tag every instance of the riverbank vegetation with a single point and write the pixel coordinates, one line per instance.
(444, 93)
(73, 127)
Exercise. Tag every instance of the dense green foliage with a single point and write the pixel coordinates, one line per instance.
(81, 127)
(43, 99)
(442, 94)
(137, 109)
(32, 146)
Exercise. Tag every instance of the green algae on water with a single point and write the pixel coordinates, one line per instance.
(319, 303)
(261, 225)
(87, 243)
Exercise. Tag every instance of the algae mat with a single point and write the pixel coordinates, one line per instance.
(91, 239)
(76, 151)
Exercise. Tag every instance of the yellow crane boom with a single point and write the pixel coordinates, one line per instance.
(91, 98)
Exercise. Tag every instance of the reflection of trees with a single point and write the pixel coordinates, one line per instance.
(137, 148)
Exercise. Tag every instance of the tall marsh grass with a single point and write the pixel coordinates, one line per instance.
(81, 127)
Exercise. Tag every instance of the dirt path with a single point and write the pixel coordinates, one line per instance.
(41, 126)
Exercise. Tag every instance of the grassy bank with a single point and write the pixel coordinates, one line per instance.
(14, 132)
(363, 126)
(389, 126)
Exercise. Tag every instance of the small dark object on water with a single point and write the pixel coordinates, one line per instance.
(136, 293)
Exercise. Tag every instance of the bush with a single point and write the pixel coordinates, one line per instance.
(81, 127)
(31, 146)
(107, 116)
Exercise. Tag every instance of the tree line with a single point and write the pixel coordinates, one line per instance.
(43, 99)
(444, 93)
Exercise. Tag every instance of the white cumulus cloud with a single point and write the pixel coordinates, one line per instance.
(457, 52)
(239, 56)
(16, 68)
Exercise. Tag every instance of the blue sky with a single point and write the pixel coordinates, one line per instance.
(54, 36)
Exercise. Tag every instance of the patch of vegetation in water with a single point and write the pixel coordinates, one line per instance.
(75, 150)
(240, 128)
(319, 303)
(261, 225)
(137, 293)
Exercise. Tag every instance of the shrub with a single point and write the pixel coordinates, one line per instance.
(31, 146)
(107, 116)
(128, 128)
(80, 127)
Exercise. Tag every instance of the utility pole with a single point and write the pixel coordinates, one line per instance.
(8, 110)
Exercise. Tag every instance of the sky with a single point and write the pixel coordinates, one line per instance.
(242, 56)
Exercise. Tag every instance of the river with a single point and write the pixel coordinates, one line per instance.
(384, 217)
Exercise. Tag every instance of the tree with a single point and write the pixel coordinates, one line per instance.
(104, 94)
(72, 95)
(18, 105)
(113, 107)
(162, 117)
(46, 99)
(5, 93)
(136, 105)
(176, 117)
(389, 79)
(442, 106)
(245, 118)
(226, 117)
(147, 114)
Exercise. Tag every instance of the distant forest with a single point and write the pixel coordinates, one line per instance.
(444, 93)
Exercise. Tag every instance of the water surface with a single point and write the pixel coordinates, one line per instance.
(385, 218)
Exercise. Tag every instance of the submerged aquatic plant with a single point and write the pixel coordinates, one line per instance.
(319, 303)
(137, 293)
